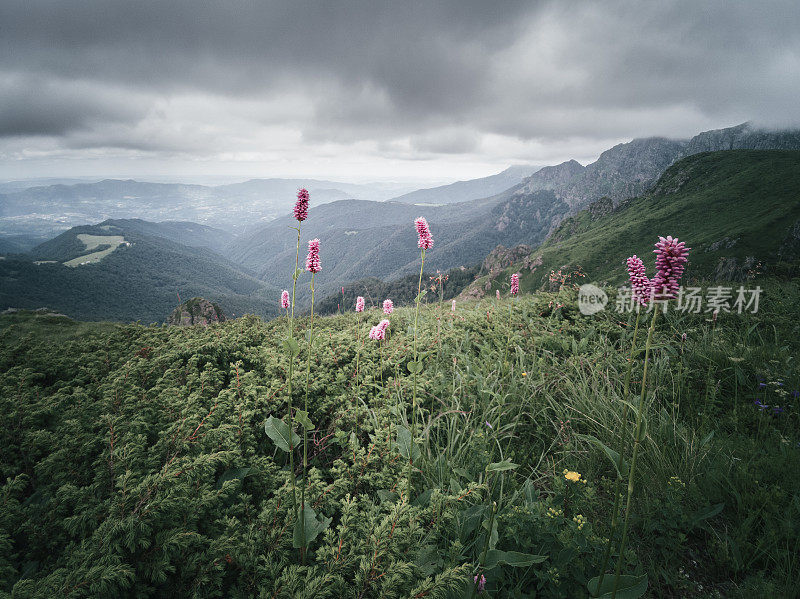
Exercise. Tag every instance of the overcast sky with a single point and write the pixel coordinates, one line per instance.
(367, 90)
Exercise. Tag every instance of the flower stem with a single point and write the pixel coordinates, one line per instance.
(623, 446)
(414, 390)
(291, 372)
(358, 384)
(637, 439)
(485, 550)
(305, 430)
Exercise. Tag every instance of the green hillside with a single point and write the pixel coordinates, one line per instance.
(738, 210)
(139, 280)
(135, 461)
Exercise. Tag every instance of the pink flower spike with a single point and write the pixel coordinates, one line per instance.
(301, 207)
(454, 306)
(515, 283)
(425, 240)
(359, 304)
(285, 299)
(497, 294)
(481, 584)
(388, 306)
(312, 261)
(641, 286)
(378, 332)
(671, 258)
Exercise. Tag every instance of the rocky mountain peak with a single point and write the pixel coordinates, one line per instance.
(196, 311)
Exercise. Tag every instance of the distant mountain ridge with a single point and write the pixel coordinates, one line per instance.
(739, 211)
(51, 209)
(473, 189)
(140, 279)
(629, 169)
(367, 239)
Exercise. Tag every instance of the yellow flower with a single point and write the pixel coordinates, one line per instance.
(524, 374)
(573, 476)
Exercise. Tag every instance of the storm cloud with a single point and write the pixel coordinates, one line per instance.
(375, 85)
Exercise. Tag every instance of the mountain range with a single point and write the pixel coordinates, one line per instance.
(360, 239)
(739, 210)
(51, 209)
(474, 189)
(135, 271)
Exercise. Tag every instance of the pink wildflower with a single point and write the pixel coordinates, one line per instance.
(671, 258)
(641, 286)
(359, 304)
(312, 261)
(425, 238)
(301, 207)
(515, 283)
(481, 584)
(454, 306)
(285, 299)
(388, 306)
(378, 332)
(497, 294)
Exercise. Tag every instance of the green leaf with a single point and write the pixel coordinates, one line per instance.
(707, 513)
(291, 346)
(312, 529)
(630, 587)
(278, 431)
(232, 474)
(405, 444)
(421, 295)
(495, 557)
(707, 439)
(302, 417)
(423, 499)
(428, 559)
(414, 367)
(612, 455)
(506, 464)
(385, 495)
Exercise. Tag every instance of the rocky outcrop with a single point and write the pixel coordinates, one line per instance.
(196, 311)
(552, 177)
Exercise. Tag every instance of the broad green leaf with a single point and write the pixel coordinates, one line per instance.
(278, 431)
(424, 498)
(501, 466)
(415, 367)
(495, 557)
(387, 496)
(313, 526)
(707, 513)
(428, 559)
(302, 417)
(405, 444)
(630, 587)
(232, 474)
(612, 455)
(291, 346)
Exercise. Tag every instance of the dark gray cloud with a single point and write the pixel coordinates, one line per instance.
(495, 82)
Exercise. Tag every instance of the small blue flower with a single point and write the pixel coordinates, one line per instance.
(762, 385)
